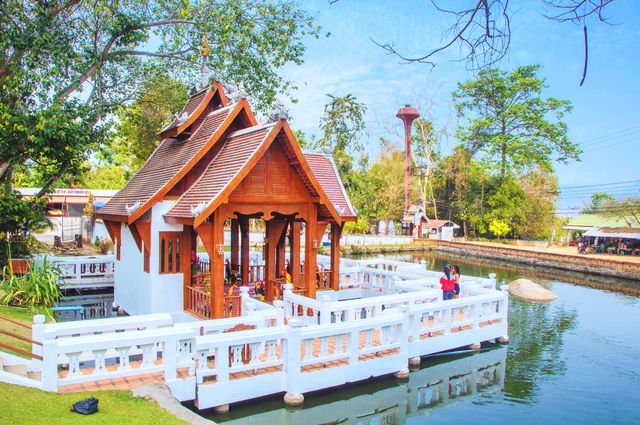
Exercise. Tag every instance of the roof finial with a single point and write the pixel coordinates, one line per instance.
(278, 112)
(205, 52)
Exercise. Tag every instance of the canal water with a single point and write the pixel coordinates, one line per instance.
(575, 360)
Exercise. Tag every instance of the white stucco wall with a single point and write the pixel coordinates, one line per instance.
(166, 289)
(138, 292)
(132, 284)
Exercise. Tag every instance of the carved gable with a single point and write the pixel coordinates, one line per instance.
(271, 178)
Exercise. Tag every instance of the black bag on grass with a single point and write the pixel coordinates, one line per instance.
(86, 406)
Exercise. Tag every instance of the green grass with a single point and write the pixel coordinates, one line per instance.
(20, 315)
(21, 405)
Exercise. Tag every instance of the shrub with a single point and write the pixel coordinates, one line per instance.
(38, 288)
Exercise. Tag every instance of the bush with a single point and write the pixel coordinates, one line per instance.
(38, 288)
(359, 227)
(105, 245)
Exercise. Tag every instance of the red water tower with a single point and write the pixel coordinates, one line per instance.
(407, 115)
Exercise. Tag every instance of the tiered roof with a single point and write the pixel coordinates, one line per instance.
(216, 145)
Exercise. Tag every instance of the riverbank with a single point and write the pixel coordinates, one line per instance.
(562, 258)
(559, 258)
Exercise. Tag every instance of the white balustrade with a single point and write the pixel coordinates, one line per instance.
(97, 349)
(85, 272)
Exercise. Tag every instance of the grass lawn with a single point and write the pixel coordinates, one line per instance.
(19, 315)
(21, 405)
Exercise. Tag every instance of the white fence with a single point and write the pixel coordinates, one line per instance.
(85, 272)
(327, 341)
(325, 310)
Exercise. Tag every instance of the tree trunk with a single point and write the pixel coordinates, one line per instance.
(503, 165)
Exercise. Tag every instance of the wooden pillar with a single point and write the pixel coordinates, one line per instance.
(244, 255)
(280, 249)
(336, 233)
(294, 254)
(217, 266)
(310, 253)
(235, 242)
(270, 259)
(185, 263)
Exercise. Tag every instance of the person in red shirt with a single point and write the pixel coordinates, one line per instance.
(448, 283)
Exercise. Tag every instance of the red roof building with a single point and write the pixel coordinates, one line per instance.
(216, 165)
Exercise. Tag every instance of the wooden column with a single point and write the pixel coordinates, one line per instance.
(235, 244)
(185, 263)
(294, 254)
(310, 253)
(336, 233)
(280, 249)
(270, 258)
(244, 254)
(217, 266)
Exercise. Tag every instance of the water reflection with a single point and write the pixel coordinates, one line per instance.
(437, 384)
(94, 305)
(536, 343)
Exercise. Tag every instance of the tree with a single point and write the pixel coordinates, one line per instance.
(386, 184)
(65, 65)
(425, 158)
(136, 134)
(108, 176)
(509, 122)
(628, 209)
(342, 124)
(598, 202)
(482, 30)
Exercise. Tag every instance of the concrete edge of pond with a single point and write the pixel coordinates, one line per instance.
(161, 395)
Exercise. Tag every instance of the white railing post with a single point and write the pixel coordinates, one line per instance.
(448, 312)
(492, 278)
(286, 297)
(292, 358)
(244, 296)
(403, 336)
(222, 363)
(50, 365)
(37, 335)
(279, 306)
(325, 311)
(170, 358)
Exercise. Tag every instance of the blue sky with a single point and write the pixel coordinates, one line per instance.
(605, 119)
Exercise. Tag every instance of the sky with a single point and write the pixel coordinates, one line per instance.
(605, 120)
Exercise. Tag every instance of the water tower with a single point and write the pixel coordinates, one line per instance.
(407, 115)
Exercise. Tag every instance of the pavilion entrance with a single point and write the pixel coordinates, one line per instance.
(283, 258)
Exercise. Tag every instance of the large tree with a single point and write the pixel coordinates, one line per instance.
(342, 125)
(136, 132)
(507, 119)
(66, 65)
(481, 29)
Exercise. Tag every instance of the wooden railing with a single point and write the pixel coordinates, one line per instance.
(323, 279)
(256, 274)
(232, 306)
(198, 302)
(17, 350)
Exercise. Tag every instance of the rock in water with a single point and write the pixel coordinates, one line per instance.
(531, 291)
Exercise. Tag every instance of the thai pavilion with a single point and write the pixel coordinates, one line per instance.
(216, 167)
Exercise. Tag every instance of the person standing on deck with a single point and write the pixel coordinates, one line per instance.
(456, 278)
(448, 284)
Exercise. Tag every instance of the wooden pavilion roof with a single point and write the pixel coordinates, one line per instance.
(210, 149)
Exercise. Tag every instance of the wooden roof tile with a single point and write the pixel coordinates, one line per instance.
(236, 152)
(327, 175)
(166, 161)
